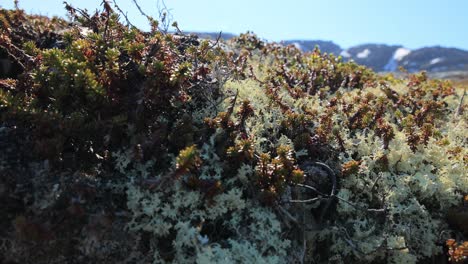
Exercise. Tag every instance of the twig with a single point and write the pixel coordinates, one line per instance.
(141, 10)
(285, 212)
(164, 15)
(305, 201)
(380, 210)
(304, 242)
(72, 10)
(371, 210)
(331, 174)
(460, 105)
(375, 182)
(443, 232)
(217, 40)
(177, 28)
(353, 246)
(332, 195)
(304, 248)
(252, 74)
(20, 57)
(123, 14)
(230, 109)
(311, 188)
(348, 240)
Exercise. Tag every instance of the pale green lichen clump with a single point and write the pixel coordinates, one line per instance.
(392, 207)
(413, 194)
(255, 231)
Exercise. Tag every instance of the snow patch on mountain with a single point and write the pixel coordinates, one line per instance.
(345, 54)
(298, 46)
(398, 55)
(436, 60)
(363, 54)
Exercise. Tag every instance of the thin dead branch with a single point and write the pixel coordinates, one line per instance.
(17, 54)
(460, 107)
(141, 10)
(124, 14)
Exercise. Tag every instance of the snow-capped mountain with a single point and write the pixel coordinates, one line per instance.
(309, 45)
(394, 61)
(382, 57)
(376, 56)
(436, 59)
(388, 58)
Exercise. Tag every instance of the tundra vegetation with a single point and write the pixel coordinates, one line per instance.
(123, 146)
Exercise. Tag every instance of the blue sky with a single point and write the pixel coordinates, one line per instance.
(412, 23)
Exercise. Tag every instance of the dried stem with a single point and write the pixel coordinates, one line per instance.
(460, 105)
(123, 14)
(141, 10)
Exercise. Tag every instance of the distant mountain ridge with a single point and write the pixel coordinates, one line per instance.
(383, 57)
(388, 58)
